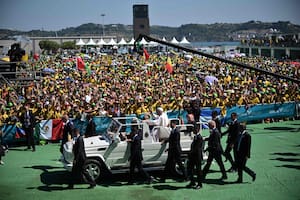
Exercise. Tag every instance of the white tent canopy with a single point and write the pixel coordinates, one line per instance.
(184, 41)
(101, 42)
(91, 42)
(164, 39)
(174, 40)
(122, 42)
(80, 42)
(152, 43)
(112, 42)
(143, 41)
(131, 42)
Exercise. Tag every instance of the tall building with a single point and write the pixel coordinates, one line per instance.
(140, 20)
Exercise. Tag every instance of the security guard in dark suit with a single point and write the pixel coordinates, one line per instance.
(68, 130)
(136, 155)
(91, 127)
(28, 123)
(174, 153)
(214, 150)
(195, 158)
(233, 131)
(242, 153)
(78, 171)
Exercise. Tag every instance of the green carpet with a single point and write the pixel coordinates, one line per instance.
(275, 158)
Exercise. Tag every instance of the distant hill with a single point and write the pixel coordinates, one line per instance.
(193, 32)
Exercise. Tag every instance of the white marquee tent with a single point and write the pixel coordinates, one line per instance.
(131, 42)
(143, 41)
(112, 42)
(174, 41)
(184, 41)
(91, 42)
(122, 42)
(101, 42)
(80, 42)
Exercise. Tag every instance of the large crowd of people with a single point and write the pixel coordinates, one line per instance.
(114, 85)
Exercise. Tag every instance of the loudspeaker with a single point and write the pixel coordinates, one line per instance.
(140, 20)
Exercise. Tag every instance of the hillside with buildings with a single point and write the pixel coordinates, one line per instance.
(193, 32)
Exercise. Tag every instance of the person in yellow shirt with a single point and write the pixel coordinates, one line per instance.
(215, 100)
(254, 99)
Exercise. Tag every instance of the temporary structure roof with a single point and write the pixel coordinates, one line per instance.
(174, 41)
(91, 42)
(112, 42)
(122, 42)
(164, 39)
(131, 42)
(184, 41)
(152, 43)
(143, 41)
(101, 42)
(80, 42)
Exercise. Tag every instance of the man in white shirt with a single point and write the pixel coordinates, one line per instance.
(160, 119)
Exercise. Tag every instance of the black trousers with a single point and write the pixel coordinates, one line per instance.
(241, 166)
(137, 164)
(29, 138)
(172, 160)
(79, 174)
(194, 167)
(217, 156)
(228, 156)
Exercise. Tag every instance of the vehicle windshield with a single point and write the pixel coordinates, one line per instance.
(113, 127)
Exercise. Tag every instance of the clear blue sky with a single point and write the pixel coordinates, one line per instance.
(57, 14)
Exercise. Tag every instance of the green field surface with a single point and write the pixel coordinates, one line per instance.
(275, 157)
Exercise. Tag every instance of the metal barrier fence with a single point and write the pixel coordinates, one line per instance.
(47, 128)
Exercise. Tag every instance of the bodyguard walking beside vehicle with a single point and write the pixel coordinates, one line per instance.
(233, 131)
(136, 155)
(214, 150)
(195, 158)
(174, 153)
(78, 171)
(242, 153)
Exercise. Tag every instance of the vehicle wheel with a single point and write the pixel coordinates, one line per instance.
(93, 167)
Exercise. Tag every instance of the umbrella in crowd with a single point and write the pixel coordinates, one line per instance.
(211, 79)
(48, 70)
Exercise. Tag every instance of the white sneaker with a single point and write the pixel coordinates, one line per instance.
(1, 162)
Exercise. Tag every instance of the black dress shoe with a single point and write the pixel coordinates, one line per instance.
(190, 185)
(254, 177)
(92, 186)
(162, 180)
(130, 183)
(231, 170)
(151, 180)
(198, 187)
(71, 186)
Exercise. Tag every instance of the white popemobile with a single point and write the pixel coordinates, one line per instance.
(111, 151)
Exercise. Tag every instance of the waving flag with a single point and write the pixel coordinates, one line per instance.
(146, 54)
(169, 66)
(88, 68)
(80, 64)
(19, 133)
(51, 129)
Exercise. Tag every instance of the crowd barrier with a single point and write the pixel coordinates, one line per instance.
(52, 129)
